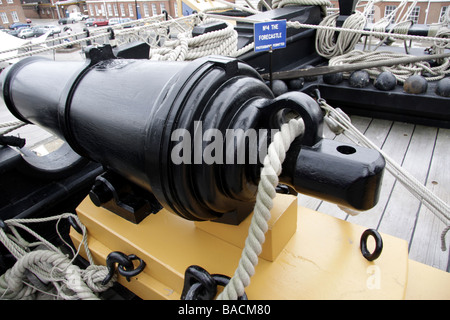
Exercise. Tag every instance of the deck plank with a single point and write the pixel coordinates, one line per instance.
(425, 243)
(395, 145)
(400, 214)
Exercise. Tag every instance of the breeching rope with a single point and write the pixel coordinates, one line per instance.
(187, 47)
(266, 193)
(269, 180)
(46, 271)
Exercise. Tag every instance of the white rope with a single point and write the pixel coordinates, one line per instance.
(258, 226)
(285, 3)
(228, 44)
(53, 272)
(98, 33)
(298, 25)
(187, 47)
(439, 46)
(151, 24)
(436, 205)
(11, 126)
(328, 45)
(233, 5)
(401, 72)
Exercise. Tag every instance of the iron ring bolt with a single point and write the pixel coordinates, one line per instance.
(125, 265)
(378, 244)
(129, 272)
(199, 284)
(222, 280)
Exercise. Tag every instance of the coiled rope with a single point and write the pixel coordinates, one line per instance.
(187, 47)
(329, 45)
(43, 270)
(400, 71)
(401, 24)
(266, 193)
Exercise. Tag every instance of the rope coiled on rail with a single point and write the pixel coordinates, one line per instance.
(187, 47)
(329, 45)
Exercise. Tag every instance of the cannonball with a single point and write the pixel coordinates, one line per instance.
(415, 84)
(296, 84)
(443, 87)
(279, 87)
(359, 79)
(385, 81)
(333, 78)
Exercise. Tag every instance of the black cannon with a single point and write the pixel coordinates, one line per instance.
(156, 128)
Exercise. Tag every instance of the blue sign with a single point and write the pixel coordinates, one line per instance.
(270, 35)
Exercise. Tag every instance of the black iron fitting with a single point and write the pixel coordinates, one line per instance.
(134, 115)
(199, 284)
(125, 265)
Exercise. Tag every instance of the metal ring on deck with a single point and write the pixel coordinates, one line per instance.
(378, 244)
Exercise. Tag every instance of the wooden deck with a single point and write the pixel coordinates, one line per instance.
(423, 152)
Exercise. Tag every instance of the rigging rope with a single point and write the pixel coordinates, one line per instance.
(226, 38)
(298, 25)
(329, 45)
(46, 270)
(187, 47)
(341, 123)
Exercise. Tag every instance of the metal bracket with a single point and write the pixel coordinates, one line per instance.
(123, 198)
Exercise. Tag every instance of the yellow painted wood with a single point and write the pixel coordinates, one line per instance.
(282, 226)
(427, 283)
(321, 259)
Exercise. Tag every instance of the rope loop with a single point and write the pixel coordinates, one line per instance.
(43, 270)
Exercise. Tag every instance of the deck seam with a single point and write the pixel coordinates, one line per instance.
(425, 183)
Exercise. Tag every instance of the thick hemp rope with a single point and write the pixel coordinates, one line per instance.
(266, 192)
(43, 270)
(187, 47)
(329, 45)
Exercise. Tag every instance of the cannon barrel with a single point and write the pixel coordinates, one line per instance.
(190, 136)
